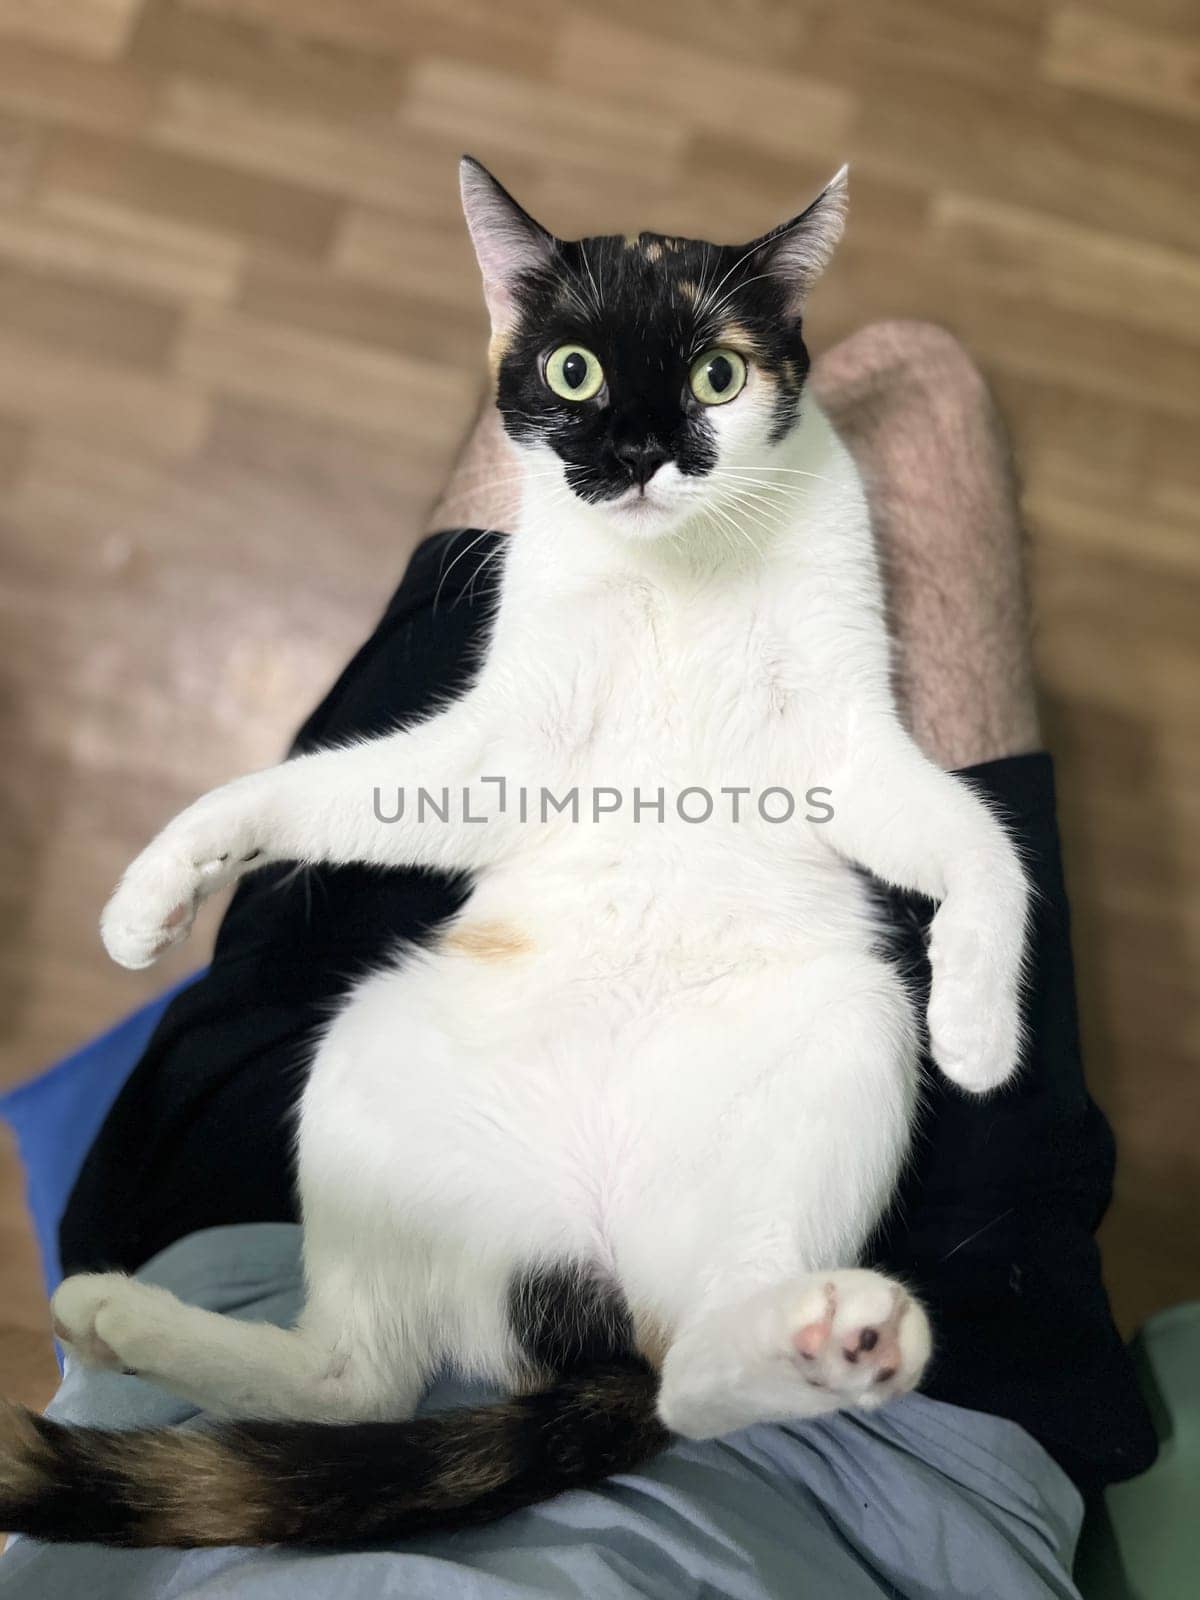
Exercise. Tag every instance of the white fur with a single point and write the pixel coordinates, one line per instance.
(696, 1070)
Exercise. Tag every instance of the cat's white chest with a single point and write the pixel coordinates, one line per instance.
(709, 674)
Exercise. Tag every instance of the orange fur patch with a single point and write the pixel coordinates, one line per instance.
(738, 338)
(497, 350)
(652, 1338)
(488, 941)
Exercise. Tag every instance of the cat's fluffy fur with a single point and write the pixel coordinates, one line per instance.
(616, 1138)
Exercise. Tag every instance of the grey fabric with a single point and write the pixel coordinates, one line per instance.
(922, 1500)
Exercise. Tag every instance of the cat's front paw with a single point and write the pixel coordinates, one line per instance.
(152, 908)
(155, 904)
(974, 1005)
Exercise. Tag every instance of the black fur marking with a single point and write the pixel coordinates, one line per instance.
(646, 308)
(569, 1317)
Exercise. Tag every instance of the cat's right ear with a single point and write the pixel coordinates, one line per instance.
(508, 242)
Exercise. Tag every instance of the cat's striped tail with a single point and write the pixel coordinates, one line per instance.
(303, 1483)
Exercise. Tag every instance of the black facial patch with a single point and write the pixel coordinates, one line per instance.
(646, 308)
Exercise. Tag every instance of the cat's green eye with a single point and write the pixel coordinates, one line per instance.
(718, 376)
(574, 373)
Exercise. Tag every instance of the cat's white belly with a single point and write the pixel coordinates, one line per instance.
(549, 1090)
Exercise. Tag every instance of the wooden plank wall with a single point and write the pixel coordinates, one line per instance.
(240, 336)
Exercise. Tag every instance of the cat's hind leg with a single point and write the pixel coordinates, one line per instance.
(822, 1342)
(335, 1364)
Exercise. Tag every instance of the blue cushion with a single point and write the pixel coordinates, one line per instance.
(57, 1115)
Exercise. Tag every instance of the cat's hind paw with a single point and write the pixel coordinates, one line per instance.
(828, 1341)
(111, 1321)
(859, 1335)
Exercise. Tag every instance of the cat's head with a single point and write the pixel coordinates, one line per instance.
(652, 375)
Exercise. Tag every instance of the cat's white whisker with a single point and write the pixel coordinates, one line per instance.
(799, 472)
(714, 312)
(483, 534)
(745, 256)
(728, 520)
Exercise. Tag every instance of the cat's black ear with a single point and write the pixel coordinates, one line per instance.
(508, 242)
(798, 252)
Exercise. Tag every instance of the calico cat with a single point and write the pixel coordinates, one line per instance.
(616, 1137)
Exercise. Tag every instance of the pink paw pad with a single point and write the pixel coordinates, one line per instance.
(872, 1347)
(811, 1339)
